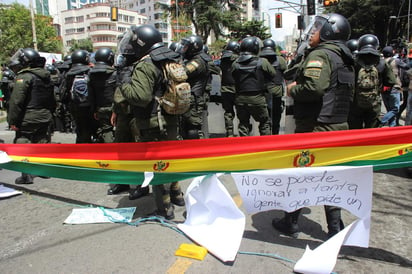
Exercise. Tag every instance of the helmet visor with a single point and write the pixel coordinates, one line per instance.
(125, 44)
(16, 56)
(183, 47)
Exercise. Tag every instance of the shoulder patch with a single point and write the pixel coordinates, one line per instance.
(20, 80)
(192, 66)
(313, 72)
(314, 64)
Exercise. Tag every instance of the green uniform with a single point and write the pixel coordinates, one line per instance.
(322, 97)
(153, 123)
(369, 117)
(198, 74)
(251, 74)
(228, 90)
(31, 106)
(317, 105)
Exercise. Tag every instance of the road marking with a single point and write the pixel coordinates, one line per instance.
(179, 267)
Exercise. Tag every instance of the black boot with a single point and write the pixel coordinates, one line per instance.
(176, 194)
(117, 188)
(24, 179)
(288, 225)
(138, 192)
(333, 218)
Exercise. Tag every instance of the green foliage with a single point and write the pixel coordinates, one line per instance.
(253, 28)
(372, 16)
(85, 44)
(217, 47)
(206, 15)
(16, 31)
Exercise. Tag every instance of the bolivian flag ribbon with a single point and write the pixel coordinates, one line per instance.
(126, 163)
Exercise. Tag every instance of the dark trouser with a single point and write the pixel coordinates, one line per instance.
(85, 124)
(364, 118)
(192, 120)
(256, 108)
(104, 132)
(228, 104)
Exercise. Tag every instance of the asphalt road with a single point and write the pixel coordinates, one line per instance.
(35, 240)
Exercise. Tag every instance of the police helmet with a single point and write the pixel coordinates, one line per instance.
(352, 44)
(25, 57)
(140, 40)
(191, 45)
(250, 44)
(80, 56)
(387, 51)
(51, 68)
(173, 46)
(9, 74)
(233, 46)
(206, 49)
(67, 58)
(368, 40)
(269, 43)
(104, 56)
(332, 26)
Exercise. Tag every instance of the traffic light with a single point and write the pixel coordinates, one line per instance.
(311, 7)
(301, 22)
(278, 21)
(328, 3)
(114, 13)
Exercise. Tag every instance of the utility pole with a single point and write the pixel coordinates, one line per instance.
(33, 26)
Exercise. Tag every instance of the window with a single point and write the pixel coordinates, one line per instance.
(142, 11)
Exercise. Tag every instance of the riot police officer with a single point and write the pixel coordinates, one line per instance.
(251, 74)
(32, 102)
(276, 86)
(146, 44)
(102, 84)
(322, 94)
(196, 67)
(80, 109)
(228, 90)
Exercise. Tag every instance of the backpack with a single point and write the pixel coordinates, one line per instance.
(176, 99)
(367, 87)
(79, 90)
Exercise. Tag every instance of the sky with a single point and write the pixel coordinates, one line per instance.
(289, 18)
(23, 2)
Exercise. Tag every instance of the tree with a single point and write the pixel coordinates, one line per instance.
(373, 16)
(16, 31)
(85, 44)
(254, 28)
(207, 15)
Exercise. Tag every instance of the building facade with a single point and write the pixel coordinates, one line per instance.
(93, 21)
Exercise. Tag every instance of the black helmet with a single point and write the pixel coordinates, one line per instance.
(191, 46)
(332, 26)
(352, 44)
(67, 58)
(250, 44)
(9, 74)
(26, 57)
(269, 43)
(368, 40)
(105, 56)
(233, 46)
(80, 56)
(139, 41)
(387, 51)
(173, 46)
(268, 48)
(51, 68)
(205, 49)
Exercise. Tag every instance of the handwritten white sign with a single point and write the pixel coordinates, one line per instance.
(294, 188)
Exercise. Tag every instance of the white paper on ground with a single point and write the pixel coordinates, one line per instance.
(4, 158)
(100, 215)
(8, 192)
(213, 219)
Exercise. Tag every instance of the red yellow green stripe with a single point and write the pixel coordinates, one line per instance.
(385, 147)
